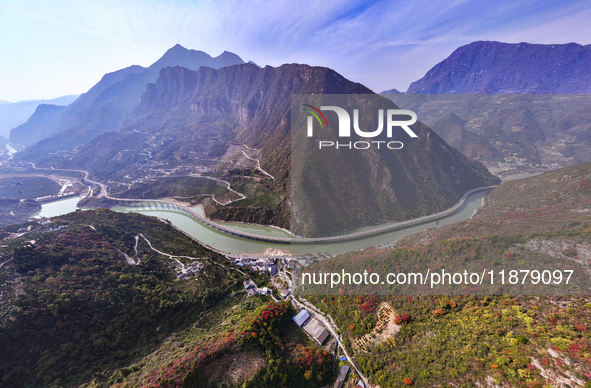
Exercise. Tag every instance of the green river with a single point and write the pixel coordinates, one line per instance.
(242, 246)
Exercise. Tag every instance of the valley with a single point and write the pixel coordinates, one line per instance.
(231, 124)
(154, 232)
(84, 237)
(246, 239)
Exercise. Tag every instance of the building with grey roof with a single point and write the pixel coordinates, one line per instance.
(342, 376)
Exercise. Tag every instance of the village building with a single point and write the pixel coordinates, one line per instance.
(312, 326)
(316, 330)
(342, 376)
(301, 317)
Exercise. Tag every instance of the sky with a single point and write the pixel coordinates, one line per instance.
(60, 47)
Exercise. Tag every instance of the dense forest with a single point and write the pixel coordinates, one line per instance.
(82, 309)
(80, 312)
(267, 336)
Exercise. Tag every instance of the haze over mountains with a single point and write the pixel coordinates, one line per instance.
(182, 111)
(101, 298)
(246, 104)
(479, 67)
(13, 114)
(103, 107)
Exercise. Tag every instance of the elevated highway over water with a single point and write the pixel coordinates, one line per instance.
(163, 205)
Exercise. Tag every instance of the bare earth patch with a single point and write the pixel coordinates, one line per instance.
(234, 368)
(276, 252)
(555, 379)
(385, 328)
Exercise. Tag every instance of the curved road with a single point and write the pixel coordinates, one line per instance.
(242, 196)
(102, 193)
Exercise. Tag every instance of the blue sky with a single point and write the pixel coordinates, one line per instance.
(59, 47)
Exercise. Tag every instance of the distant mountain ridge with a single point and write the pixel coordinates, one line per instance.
(489, 67)
(501, 103)
(106, 104)
(13, 114)
(391, 91)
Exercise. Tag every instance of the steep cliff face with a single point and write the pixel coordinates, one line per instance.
(504, 68)
(255, 101)
(336, 189)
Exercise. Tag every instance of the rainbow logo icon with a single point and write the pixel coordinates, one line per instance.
(315, 112)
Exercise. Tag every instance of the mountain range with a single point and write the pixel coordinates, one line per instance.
(94, 299)
(479, 67)
(191, 115)
(102, 108)
(182, 111)
(504, 104)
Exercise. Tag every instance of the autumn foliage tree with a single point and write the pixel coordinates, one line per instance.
(404, 317)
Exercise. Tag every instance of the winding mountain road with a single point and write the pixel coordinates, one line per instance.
(242, 196)
(103, 191)
(258, 164)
